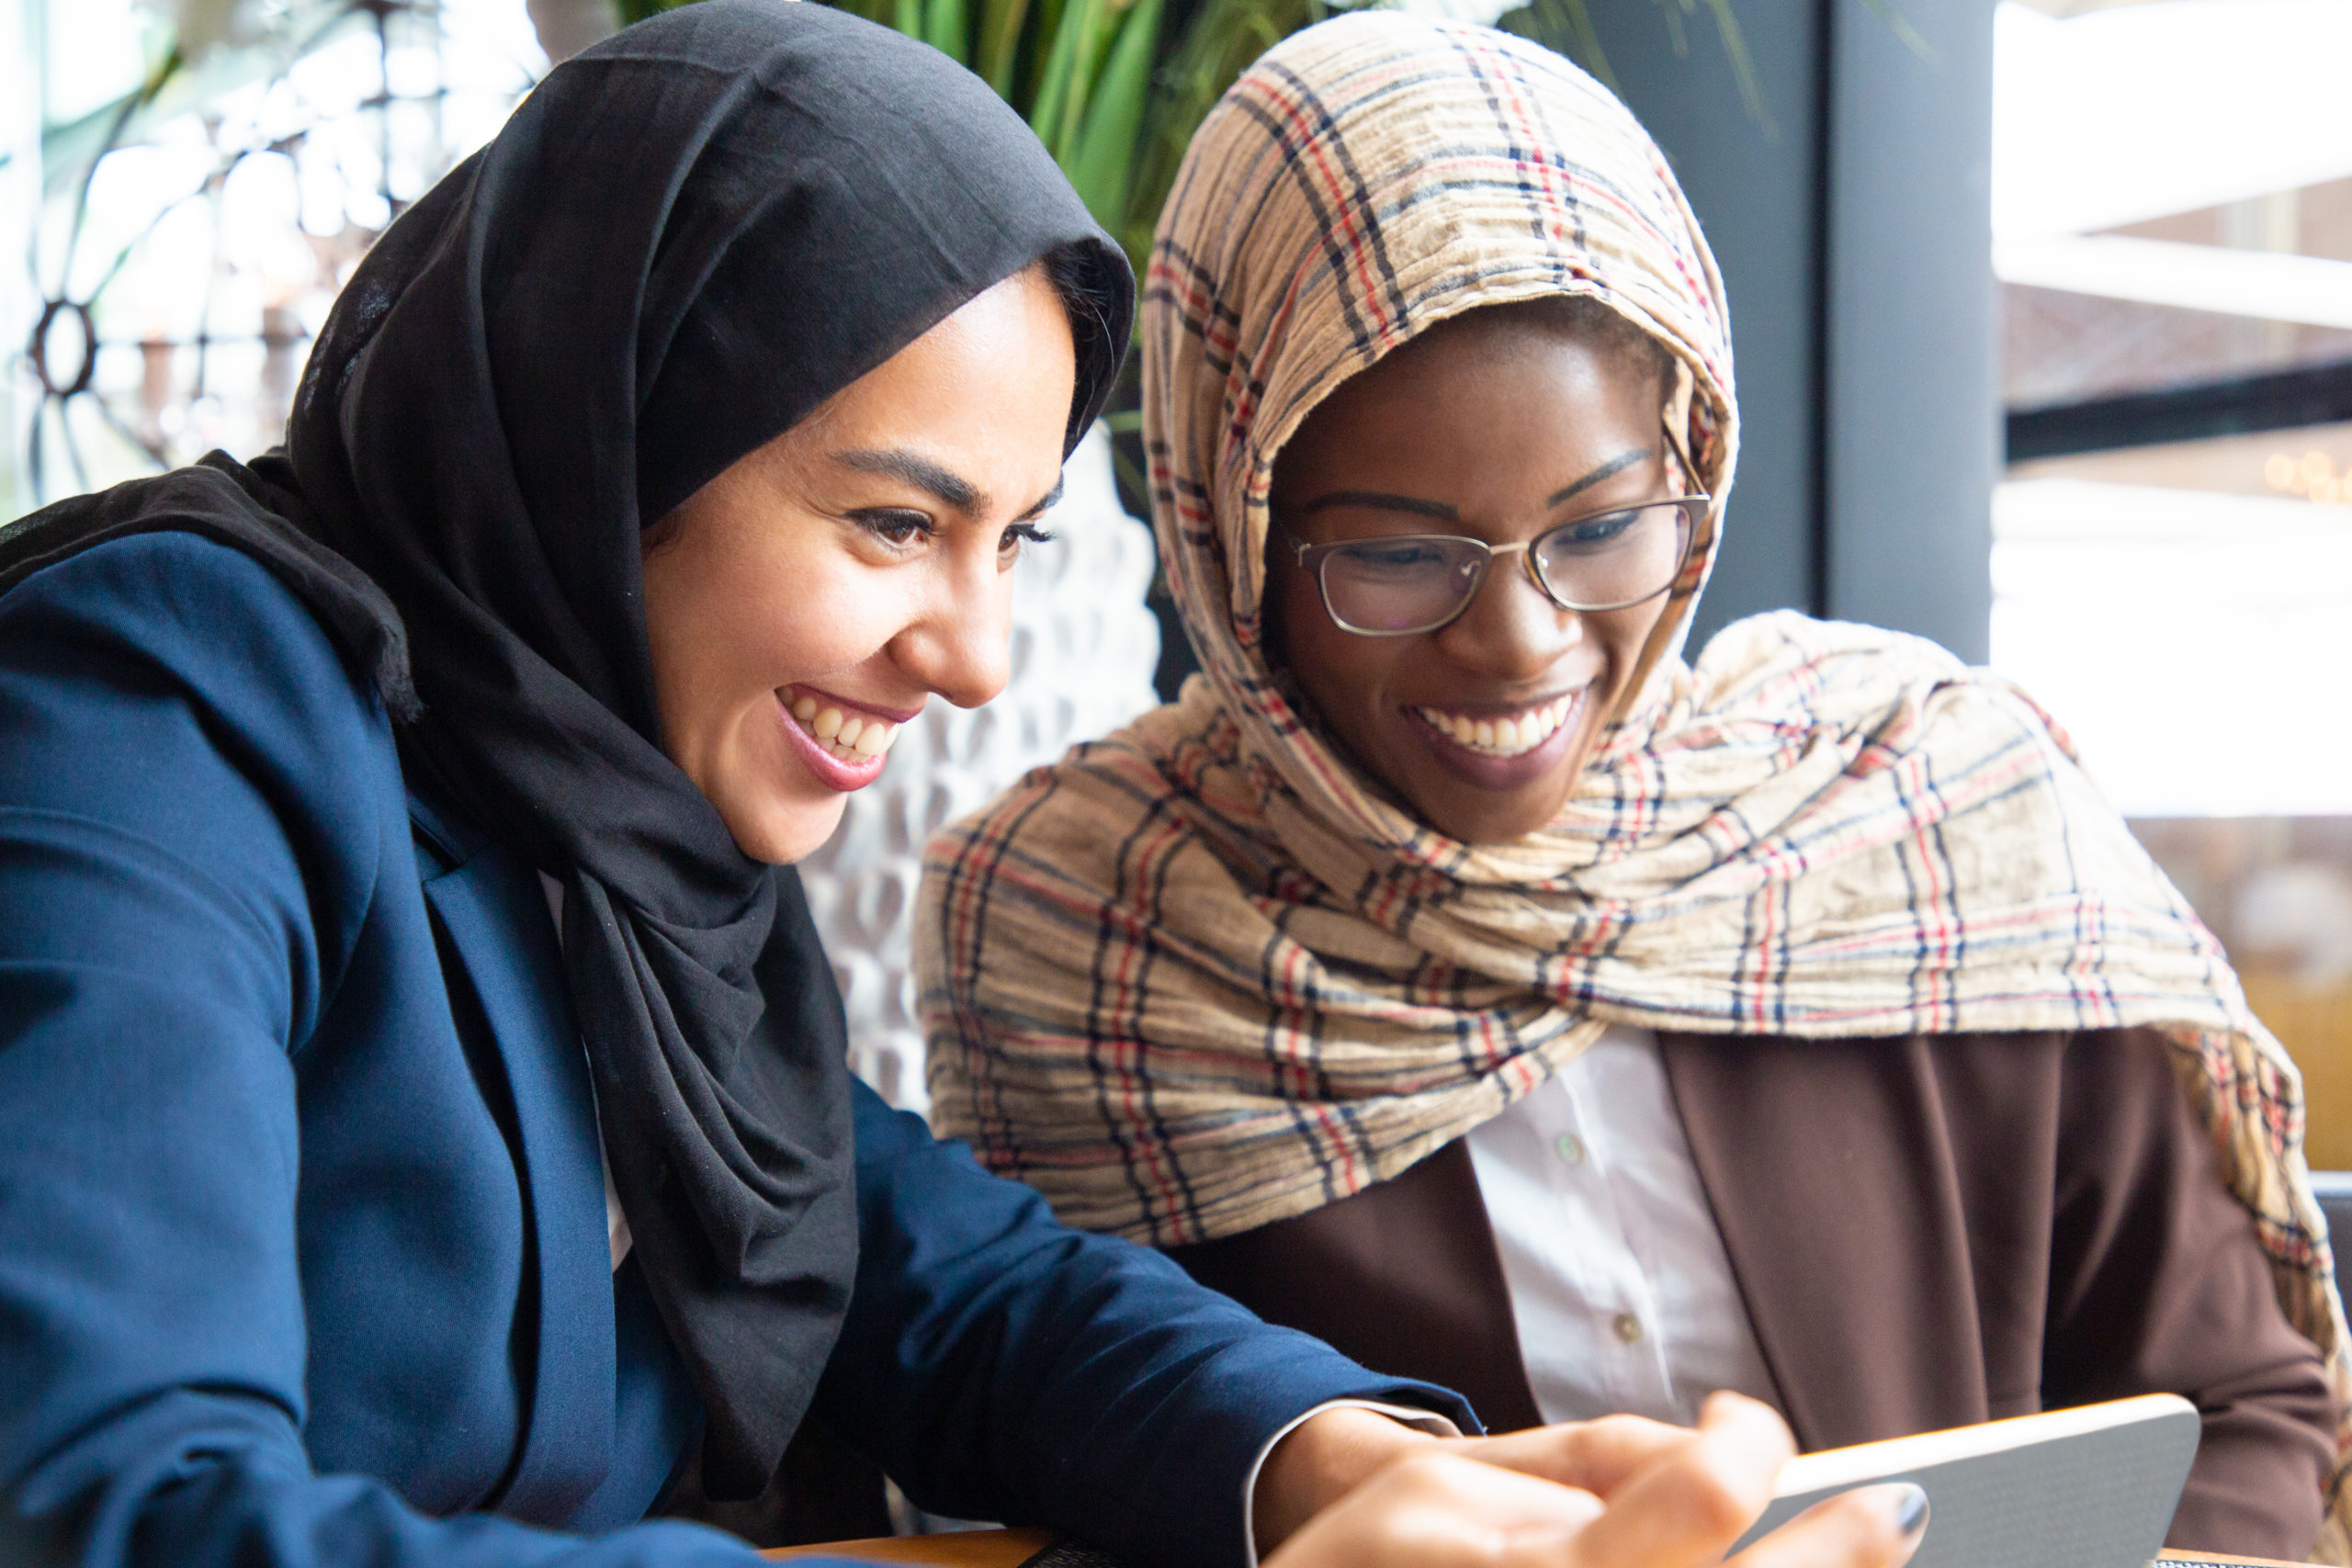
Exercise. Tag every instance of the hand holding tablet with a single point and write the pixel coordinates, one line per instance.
(1618, 1492)
(2092, 1487)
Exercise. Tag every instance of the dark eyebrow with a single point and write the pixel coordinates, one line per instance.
(1616, 465)
(1052, 496)
(950, 487)
(1382, 502)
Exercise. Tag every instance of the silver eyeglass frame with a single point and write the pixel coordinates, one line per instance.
(1311, 559)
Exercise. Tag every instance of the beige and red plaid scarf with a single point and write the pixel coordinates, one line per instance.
(1202, 975)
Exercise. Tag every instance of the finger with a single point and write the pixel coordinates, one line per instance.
(1727, 1412)
(1872, 1527)
(1690, 1503)
(1439, 1509)
(1493, 1498)
(1594, 1455)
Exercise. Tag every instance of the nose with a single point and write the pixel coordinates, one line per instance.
(958, 647)
(1512, 631)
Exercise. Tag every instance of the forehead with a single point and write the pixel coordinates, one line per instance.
(990, 385)
(1512, 386)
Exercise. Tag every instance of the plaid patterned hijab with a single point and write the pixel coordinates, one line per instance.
(1202, 974)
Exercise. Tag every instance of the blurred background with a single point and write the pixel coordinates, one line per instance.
(2043, 313)
(2172, 534)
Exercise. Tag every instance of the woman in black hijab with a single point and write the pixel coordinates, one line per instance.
(652, 468)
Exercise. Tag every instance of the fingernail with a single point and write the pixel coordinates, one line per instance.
(1911, 1511)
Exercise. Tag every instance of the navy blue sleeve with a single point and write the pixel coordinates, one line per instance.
(190, 845)
(190, 851)
(999, 1365)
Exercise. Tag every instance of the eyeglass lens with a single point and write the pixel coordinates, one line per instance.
(1420, 581)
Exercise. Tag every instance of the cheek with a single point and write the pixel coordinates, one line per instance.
(1625, 633)
(778, 622)
(728, 629)
(1346, 678)
(1303, 639)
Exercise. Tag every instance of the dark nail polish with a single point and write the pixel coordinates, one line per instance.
(1912, 1516)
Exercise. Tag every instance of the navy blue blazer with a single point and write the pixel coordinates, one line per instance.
(302, 1248)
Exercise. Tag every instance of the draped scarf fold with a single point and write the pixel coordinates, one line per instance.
(1203, 974)
(684, 241)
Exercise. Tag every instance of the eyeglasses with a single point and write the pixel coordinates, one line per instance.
(1409, 584)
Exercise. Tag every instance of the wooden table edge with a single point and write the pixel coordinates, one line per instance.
(1011, 1547)
(958, 1549)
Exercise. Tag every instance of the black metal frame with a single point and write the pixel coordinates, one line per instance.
(59, 386)
(2237, 405)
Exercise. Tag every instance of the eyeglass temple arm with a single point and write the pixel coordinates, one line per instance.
(1297, 546)
(1674, 444)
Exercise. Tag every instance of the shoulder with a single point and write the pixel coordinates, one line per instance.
(185, 598)
(1784, 659)
(166, 689)
(1787, 662)
(170, 616)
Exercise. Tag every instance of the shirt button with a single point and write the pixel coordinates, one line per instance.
(1628, 1327)
(1569, 1147)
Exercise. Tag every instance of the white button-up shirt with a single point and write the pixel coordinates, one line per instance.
(1620, 1287)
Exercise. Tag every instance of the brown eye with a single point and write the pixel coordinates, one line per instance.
(1022, 533)
(894, 528)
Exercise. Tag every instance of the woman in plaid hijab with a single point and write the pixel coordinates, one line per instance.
(1880, 1071)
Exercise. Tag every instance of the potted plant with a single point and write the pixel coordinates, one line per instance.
(1093, 80)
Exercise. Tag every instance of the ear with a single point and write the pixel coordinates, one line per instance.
(1273, 646)
(652, 540)
(1679, 387)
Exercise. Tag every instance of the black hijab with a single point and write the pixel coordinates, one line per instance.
(683, 241)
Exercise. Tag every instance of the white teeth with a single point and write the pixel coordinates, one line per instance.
(853, 737)
(1503, 736)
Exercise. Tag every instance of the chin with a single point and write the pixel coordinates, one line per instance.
(1496, 821)
(782, 833)
(1492, 832)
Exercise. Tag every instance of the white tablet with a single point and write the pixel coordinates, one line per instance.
(2091, 1487)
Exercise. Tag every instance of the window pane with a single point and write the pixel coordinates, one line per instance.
(2173, 210)
(187, 252)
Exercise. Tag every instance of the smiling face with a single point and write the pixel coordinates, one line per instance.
(1497, 425)
(810, 599)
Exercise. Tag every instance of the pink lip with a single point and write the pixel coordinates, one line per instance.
(830, 771)
(1502, 772)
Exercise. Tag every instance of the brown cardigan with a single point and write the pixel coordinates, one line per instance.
(1928, 1231)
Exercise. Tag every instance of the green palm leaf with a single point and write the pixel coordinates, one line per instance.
(998, 53)
(1219, 43)
(1061, 63)
(947, 28)
(1091, 26)
(1104, 152)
